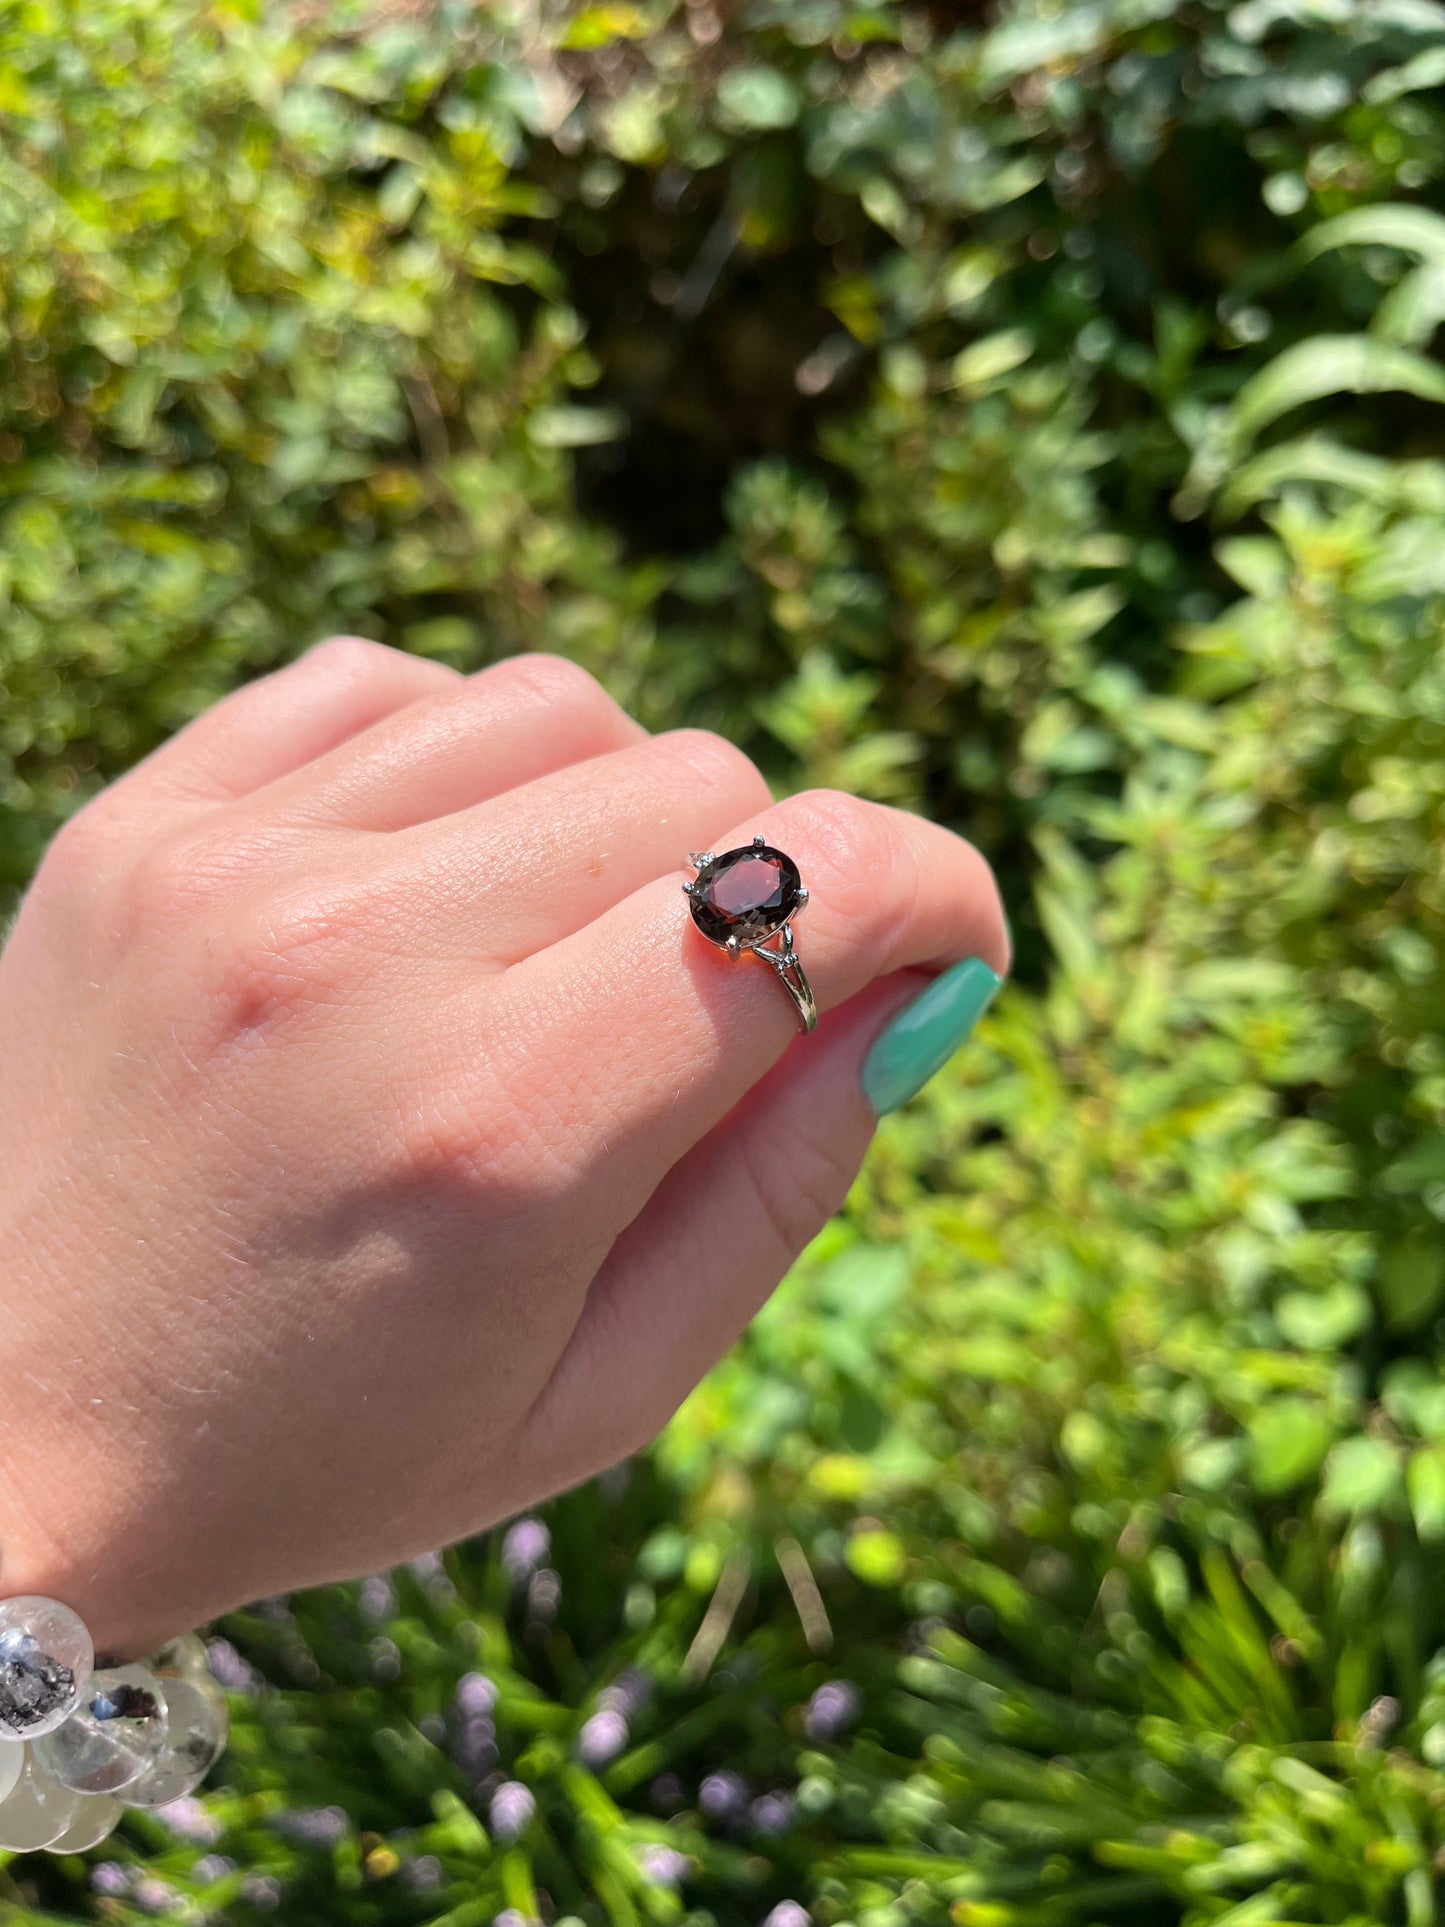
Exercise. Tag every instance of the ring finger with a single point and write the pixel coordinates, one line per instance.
(887, 891)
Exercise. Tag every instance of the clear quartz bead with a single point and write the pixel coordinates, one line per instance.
(37, 1811)
(182, 1658)
(95, 1821)
(12, 1765)
(197, 1723)
(45, 1660)
(116, 1736)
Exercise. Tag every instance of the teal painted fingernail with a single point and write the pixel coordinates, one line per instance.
(918, 1041)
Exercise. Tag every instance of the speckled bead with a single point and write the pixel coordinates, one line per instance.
(45, 1661)
(117, 1735)
(197, 1723)
(37, 1811)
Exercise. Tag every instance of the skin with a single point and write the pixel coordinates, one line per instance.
(383, 1149)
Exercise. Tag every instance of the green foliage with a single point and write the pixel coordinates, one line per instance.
(1031, 414)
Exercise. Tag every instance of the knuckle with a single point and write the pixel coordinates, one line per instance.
(285, 959)
(856, 844)
(551, 681)
(349, 658)
(478, 1140)
(166, 887)
(86, 852)
(182, 879)
(843, 829)
(712, 760)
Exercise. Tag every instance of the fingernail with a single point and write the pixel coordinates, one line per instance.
(918, 1040)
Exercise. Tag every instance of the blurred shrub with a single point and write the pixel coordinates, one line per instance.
(1029, 413)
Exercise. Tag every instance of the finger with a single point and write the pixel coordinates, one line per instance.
(481, 737)
(283, 721)
(518, 873)
(684, 1278)
(889, 891)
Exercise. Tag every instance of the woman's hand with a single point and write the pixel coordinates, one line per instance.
(382, 1147)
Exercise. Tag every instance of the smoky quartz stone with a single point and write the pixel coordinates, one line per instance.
(747, 894)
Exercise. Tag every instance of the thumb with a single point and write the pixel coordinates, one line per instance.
(731, 1216)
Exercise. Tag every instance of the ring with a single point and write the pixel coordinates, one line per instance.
(745, 898)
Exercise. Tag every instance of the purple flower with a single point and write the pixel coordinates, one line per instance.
(313, 1826)
(524, 1548)
(723, 1796)
(475, 1747)
(431, 1574)
(423, 1874)
(110, 1877)
(476, 1695)
(153, 1896)
(188, 1820)
(237, 1675)
(544, 1595)
(667, 1793)
(513, 1917)
(602, 1738)
(832, 1710)
(214, 1866)
(772, 1813)
(512, 1809)
(664, 1866)
(788, 1913)
(627, 1694)
(261, 1890)
(378, 1597)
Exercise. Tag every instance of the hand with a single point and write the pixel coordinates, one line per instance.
(382, 1147)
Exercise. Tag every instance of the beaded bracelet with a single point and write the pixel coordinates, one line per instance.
(79, 1744)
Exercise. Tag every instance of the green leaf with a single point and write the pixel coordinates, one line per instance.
(876, 1557)
(1425, 1483)
(985, 361)
(572, 427)
(1313, 459)
(1288, 1439)
(1361, 1475)
(1392, 224)
(1323, 1320)
(1412, 1282)
(754, 99)
(1330, 365)
(1260, 565)
(1414, 308)
(592, 27)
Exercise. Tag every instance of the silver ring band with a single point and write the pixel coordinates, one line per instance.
(791, 976)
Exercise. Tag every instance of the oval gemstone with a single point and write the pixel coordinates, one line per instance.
(747, 894)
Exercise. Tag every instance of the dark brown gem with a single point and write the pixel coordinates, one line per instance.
(748, 894)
